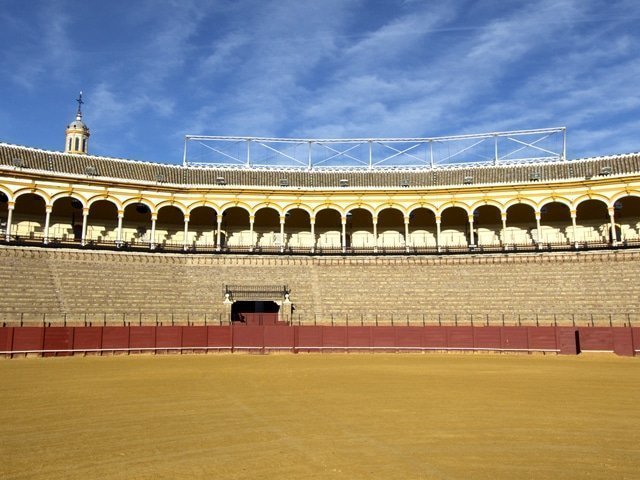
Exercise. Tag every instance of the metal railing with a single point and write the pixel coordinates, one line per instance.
(99, 244)
(356, 318)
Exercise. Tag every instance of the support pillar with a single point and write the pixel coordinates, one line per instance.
(406, 234)
(152, 239)
(574, 225)
(119, 232)
(282, 220)
(472, 237)
(438, 239)
(185, 241)
(85, 216)
(375, 234)
(218, 230)
(10, 207)
(252, 243)
(313, 235)
(47, 221)
(538, 228)
(503, 234)
(614, 234)
(344, 235)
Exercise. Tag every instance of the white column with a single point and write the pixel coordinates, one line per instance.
(10, 207)
(85, 216)
(152, 240)
(344, 235)
(438, 242)
(218, 230)
(614, 234)
(503, 235)
(406, 234)
(282, 219)
(573, 223)
(313, 235)
(375, 234)
(251, 220)
(119, 232)
(472, 238)
(185, 241)
(47, 221)
(538, 227)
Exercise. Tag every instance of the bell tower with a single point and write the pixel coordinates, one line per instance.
(77, 134)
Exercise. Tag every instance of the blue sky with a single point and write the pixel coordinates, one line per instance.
(153, 71)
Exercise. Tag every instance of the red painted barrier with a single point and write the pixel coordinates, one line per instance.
(194, 337)
(596, 339)
(87, 339)
(58, 341)
(28, 339)
(67, 340)
(220, 337)
(168, 338)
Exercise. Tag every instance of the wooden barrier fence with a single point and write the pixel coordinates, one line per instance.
(59, 341)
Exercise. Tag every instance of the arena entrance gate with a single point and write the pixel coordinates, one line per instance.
(258, 304)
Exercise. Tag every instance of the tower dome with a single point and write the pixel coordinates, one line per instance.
(77, 133)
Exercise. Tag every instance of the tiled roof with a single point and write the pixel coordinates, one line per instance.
(146, 172)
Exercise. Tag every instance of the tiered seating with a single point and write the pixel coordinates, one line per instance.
(118, 286)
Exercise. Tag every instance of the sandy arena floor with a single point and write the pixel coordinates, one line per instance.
(323, 417)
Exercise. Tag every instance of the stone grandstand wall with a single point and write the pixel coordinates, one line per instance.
(57, 285)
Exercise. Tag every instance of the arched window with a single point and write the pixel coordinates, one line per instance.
(84, 144)
(69, 143)
(77, 143)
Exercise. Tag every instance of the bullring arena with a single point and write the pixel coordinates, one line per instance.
(105, 257)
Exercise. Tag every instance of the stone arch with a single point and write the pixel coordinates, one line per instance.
(203, 224)
(487, 202)
(523, 201)
(329, 206)
(454, 204)
(390, 228)
(139, 200)
(425, 205)
(107, 198)
(236, 230)
(69, 194)
(561, 200)
(263, 205)
(297, 229)
(626, 193)
(66, 218)
(236, 204)
(592, 196)
(487, 224)
(520, 224)
(170, 203)
(35, 191)
(8, 193)
(555, 218)
(29, 212)
(169, 224)
(422, 228)
(592, 221)
(454, 225)
(267, 227)
(626, 211)
(328, 228)
(390, 206)
(102, 221)
(202, 204)
(298, 206)
(360, 206)
(359, 228)
(136, 220)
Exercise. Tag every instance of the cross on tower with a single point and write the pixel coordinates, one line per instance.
(80, 102)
